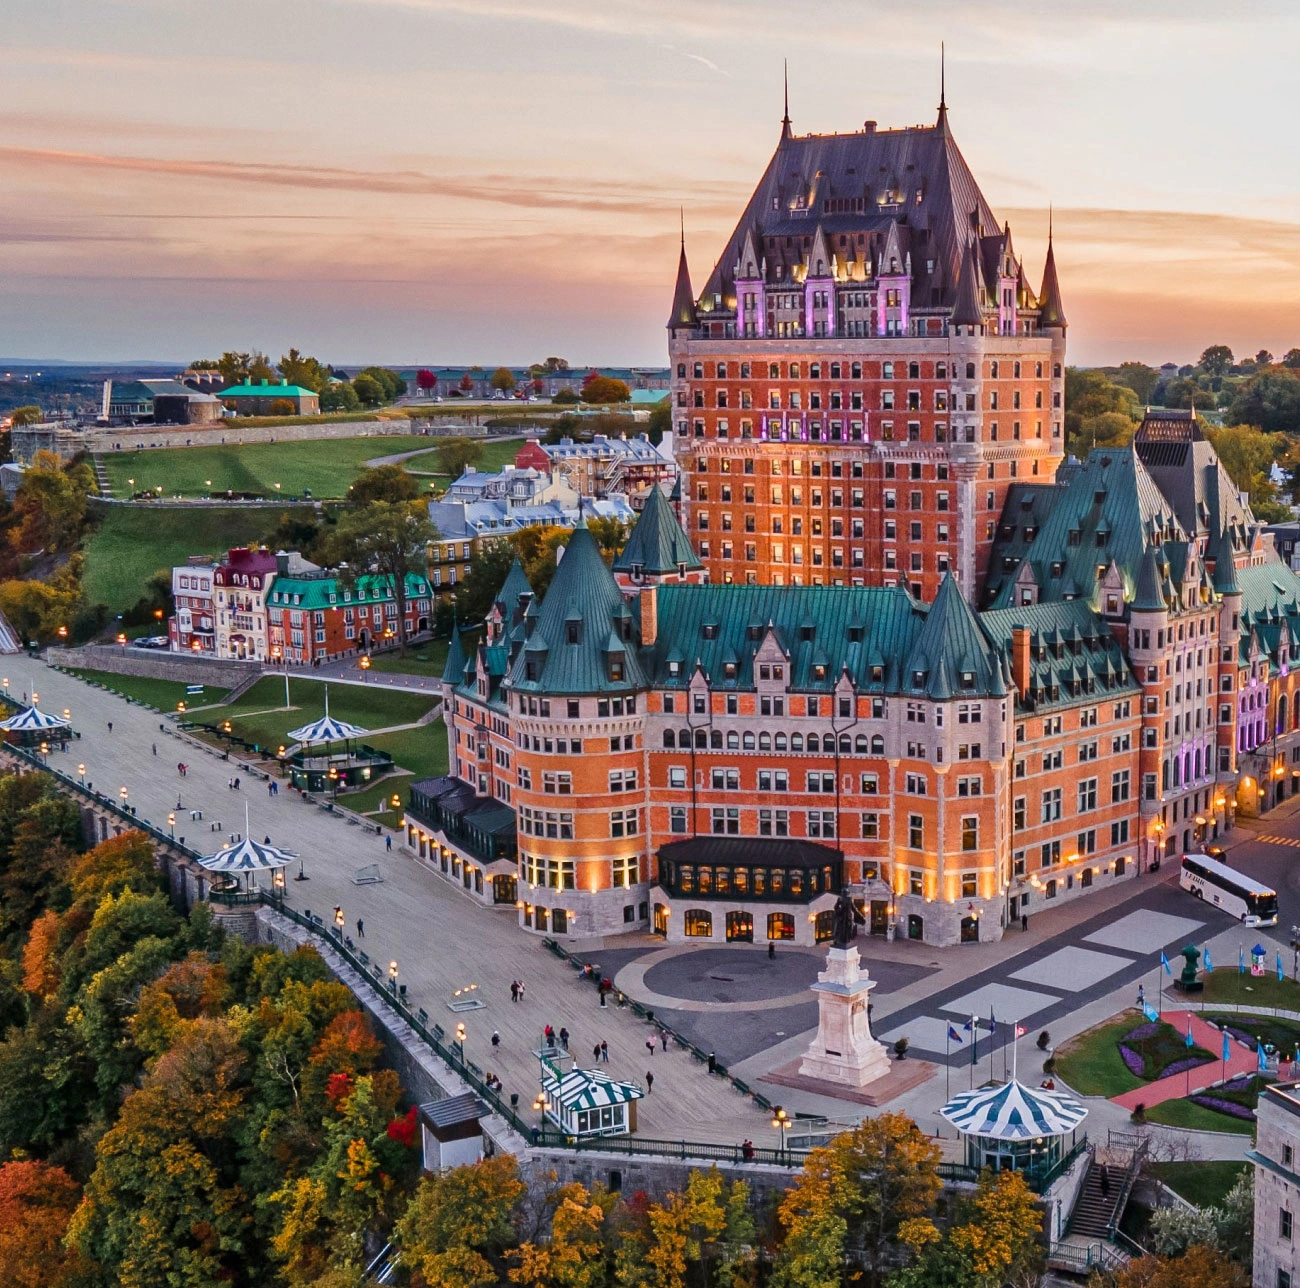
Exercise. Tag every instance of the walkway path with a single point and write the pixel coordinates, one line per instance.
(441, 938)
(1241, 1060)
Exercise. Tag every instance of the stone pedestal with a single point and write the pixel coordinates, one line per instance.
(844, 1052)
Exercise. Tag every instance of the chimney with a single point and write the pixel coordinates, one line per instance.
(1020, 658)
(649, 603)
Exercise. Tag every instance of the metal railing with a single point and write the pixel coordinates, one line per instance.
(1135, 1162)
(1039, 1179)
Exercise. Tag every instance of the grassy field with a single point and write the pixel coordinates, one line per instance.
(1091, 1063)
(327, 467)
(423, 751)
(1182, 1113)
(1200, 1183)
(131, 543)
(163, 694)
(1227, 985)
(259, 715)
(496, 453)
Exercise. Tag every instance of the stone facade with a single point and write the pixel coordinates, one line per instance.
(1276, 1157)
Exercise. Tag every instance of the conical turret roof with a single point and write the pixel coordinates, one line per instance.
(683, 313)
(950, 630)
(967, 309)
(1051, 310)
(657, 544)
(454, 671)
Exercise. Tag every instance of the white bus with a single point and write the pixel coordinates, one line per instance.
(1226, 888)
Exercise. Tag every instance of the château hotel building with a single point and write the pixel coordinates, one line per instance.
(897, 644)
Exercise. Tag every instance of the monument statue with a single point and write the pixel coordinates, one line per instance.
(844, 1050)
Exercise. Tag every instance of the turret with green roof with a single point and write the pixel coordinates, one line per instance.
(657, 546)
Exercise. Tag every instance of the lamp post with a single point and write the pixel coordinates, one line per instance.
(277, 884)
(81, 773)
(171, 823)
(338, 920)
(123, 794)
(781, 1121)
(461, 1035)
(45, 750)
(392, 984)
(121, 639)
(541, 1104)
(280, 756)
(334, 781)
(180, 708)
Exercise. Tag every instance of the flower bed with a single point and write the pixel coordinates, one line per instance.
(1236, 1098)
(1156, 1050)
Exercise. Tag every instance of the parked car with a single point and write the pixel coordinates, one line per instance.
(152, 641)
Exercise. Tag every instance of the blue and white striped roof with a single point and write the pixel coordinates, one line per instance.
(588, 1089)
(33, 720)
(247, 856)
(327, 729)
(1013, 1111)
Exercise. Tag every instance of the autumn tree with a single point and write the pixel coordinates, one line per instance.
(605, 389)
(610, 534)
(50, 504)
(123, 862)
(389, 483)
(426, 381)
(503, 380)
(814, 1228)
(1001, 1228)
(487, 574)
(1248, 455)
(1140, 378)
(1198, 1267)
(391, 540)
(453, 455)
(300, 369)
(36, 1202)
(456, 1231)
(28, 414)
(1270, 400)
(577, 1253)
(1216, 360)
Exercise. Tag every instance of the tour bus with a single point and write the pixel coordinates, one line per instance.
(1226, 888)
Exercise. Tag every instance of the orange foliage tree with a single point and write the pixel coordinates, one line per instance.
(36, 1201)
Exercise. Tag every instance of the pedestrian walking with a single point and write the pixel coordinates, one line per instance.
(604, 1051)
(747, 1151)
(496, 1038)
(361, 929)
(663, 1040)
(388, 842)
(650, 1044)
(602, 997)
(514, 990)
(521, 990)
(1142, 996)
(1024, 921)
(110, 725)
(230, 784)
(236, 784)
(564, 1038)
(595, 1053)
(771, 951)
(649, 1082)
(1104, 1177)
(155, 749)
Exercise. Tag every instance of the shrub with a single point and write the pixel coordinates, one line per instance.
(1139, 1114)
(1044, 1040)
(900, 1048)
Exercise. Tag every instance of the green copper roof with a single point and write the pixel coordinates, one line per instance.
(332, 592)
(267, 391)
(515, 585)
(1072, 654)
(570, 649)
(454, 671)
(657, 544)
(951, 652)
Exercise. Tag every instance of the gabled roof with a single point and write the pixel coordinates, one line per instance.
(968, 307)
(951, 652)
(657, 543)
(512, 589)
(583, 593)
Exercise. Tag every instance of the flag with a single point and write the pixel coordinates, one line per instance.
(1241, 961)
(1021, 1030)
(1208, 964)
(1227, 1055)
(1281, 974)
(1191, 1041)
(974, 1027)
(993, 1024)
(954, 1036)
(1150, 1012)
(1261, 1058)
(1164, 961)
(969, 1026)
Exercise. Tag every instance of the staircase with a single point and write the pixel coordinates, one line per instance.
(9, 641)
(1093, 1211)
(101, 476)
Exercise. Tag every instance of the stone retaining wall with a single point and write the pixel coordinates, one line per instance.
(155, 664)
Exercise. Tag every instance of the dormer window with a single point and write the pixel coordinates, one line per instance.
(674, 669)
(729, 670)
(709, 630)
(806, 632)
(573, 632)
(855, 634)
(877, 674)
(615, 668)
(638, 571)
(918, 679)
(819, 672)
(968, 679)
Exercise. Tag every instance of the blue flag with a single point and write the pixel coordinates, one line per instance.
(1150, 1012)
(954, 1036)
(993, 1024)
(1164, 961)
(1261, 1058)
(1190, 1040)
(1241, 961)
(969, 1026)
(1208, 965)
(1227, 1054)
(1281, 974)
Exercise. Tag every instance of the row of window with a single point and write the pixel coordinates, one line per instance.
(854, 370)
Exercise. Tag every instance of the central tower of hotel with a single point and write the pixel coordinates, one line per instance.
(866, 372)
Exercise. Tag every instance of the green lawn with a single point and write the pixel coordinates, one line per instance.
(1091, 1063)
(423, 751)
(131, 543)
(1282, 1034)
(369, 799)
(427, 659)
(1201, 1183)
(259, 715)
(163, 694)
(1230, 986)
(1182, 1113)
(327, 467)
(497, 452)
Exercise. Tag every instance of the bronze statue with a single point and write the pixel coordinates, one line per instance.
(847, 921)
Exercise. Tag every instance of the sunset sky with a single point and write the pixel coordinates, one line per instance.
(445, 181)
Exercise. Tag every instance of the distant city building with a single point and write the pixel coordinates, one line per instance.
(476, 382)
(316, 616)
(193, 626)
(602, 466)
(259, 399)
(158, 402)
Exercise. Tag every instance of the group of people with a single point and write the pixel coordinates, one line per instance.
(516, 990)
(233, 784)
(272, 787)
(664, 1039)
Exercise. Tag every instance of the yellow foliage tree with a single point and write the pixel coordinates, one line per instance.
(41, 954)
(1004, 1226)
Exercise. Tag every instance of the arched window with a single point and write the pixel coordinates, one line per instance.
(779, 742)
(780, 925)
(715, 739)
(765, 741)
(845, 744)
(877, 746)
(796, 742)
(670, 738)
(702, 738)
(814, 743)
(699, 923)
(747, 741)
(860, 743)
(733, 740)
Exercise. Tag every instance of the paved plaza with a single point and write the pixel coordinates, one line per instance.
(1077, 964)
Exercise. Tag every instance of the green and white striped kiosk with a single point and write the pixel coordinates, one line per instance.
(585, 1102)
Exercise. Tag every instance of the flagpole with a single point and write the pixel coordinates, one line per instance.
(974, 1047)
(1015, 1048)
(992, 1043)
(947, 1068)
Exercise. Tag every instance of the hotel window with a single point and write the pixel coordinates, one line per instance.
(915, 831)
(773, 822)
(915, 882)
(915, 784)
(677, 819)
(1018, 814)
(969, 886)
(1051, 853)
(676, 775)
(970, 786)
(870, 827)
(624, 822)
(1119, 786)
(726, 780)
(1087, 790)
(699, 923)
(726, 821)
(622, 780)
(1051, 805)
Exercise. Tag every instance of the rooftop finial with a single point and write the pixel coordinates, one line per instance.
(1049, 223)
(943, 78)
(785, 77)
(681, 210)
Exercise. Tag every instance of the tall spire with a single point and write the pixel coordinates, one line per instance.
(1051, 309)
(683, 314)
(943, 89)
(785, 77)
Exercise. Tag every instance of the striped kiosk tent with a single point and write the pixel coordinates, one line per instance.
(326, 730)
(32, 725)
(247, 858)
(1014, 1126)
(583, 1102)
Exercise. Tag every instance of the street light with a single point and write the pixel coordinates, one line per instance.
(277, 883)
(180, 708)
(781, 1121)
(62, 632)
(392, 983)
(81, 773)
(364, 664)
(123, 795)
(121, 639)
(171, 823)
(541, 1104)
(45, 749)
(67, 713)
(338, 920)
(333, 776)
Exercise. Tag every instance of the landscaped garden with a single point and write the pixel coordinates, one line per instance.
(1229, 1107)
(1281, 1034)
(1236, 988)
(1124, 1054)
